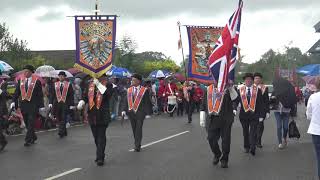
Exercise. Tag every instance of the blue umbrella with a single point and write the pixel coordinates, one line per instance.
(119, 72)
(311, 69)
(5, 67)
(159, 74)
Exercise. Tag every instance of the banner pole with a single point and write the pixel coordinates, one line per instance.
(184, 63)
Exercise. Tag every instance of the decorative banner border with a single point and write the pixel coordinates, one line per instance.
(202, 40)
(95, 43)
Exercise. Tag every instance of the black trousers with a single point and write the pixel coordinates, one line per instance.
(29, 119)
(136, 125)
(180, 109)
(249, 127)
(189, 110)
(260, 129)
(2, 137)
(196, 106)
(214, 134)
(61, 115)
(100, 139)
(170, 108)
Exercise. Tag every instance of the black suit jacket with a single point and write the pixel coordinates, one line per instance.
(259, 109)
(225, 116)
(266, 102)
(53, 96)
(100, 116)
(36, 101)
(3, 100)
(144, 108)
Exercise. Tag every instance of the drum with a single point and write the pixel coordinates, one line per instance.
(172, 100)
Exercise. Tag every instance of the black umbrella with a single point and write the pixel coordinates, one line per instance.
(81, 75)
(285, 93)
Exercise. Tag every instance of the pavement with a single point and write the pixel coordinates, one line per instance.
(175, 150)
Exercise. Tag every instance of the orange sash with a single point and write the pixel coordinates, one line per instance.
(62, 96)
(27, 95)
(134, 105)
(213, 107)
(246, 106)
(92, 101)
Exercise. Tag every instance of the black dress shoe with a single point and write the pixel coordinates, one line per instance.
(246, 151)
(253, 152)
(100, 162)
(224, 164)
(3, 145)
(216, 160)
(259, 145)
(137, 149)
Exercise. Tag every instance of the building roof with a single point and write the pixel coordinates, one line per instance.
(317, 27)
(315, 48)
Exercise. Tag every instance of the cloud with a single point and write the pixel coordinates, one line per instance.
(146, 9)
(51, 16)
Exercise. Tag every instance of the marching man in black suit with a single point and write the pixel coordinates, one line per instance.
(3, 112)
(98, 96)
(251, 112)
(61, 99)
(29, 93)
(137, 104)
(219, 119)
(266, 106)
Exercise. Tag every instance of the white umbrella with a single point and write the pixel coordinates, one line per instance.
(44, 71)
(55, 73)
(5, 67)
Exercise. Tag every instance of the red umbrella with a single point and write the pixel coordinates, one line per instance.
(20, 74)
(179, 77)
(74, 71)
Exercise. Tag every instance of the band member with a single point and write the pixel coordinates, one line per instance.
(188, 92)
(3, 112)
(180, 101)
(31, 101)
(62, 100)
(266, 110)
(170, 90)
(136, 105)
(251, 112)
(197, 97)
(98, 96)
(220, 116)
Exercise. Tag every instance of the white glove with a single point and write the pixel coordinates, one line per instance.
(50, 106)
(72, 107)
(101, 88)
(0, 91)
(80, 104)
(123, 113)
(260, 119)
(95, 81)
(267, 115)
(202, 118)
(13, 105)
(177, 94)
(163, 95)
(234, 112)
(42, 109)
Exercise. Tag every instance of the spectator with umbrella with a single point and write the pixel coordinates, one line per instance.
(284, 102)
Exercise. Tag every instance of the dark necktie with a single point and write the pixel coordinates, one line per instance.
(249, 95)
(27, 85)
(61, 88)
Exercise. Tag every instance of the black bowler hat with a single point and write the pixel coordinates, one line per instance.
(257, 75)
(137, 76)
(248, 75)
(29, 67)
(62, 73)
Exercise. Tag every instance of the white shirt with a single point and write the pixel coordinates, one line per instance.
(29, 80)
(313, 113)
(250, 90)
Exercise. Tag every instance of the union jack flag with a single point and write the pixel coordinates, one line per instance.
(222, 61)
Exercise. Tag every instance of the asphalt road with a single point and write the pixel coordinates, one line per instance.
(182, 154)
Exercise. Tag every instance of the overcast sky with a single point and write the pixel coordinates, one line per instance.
(152, 24)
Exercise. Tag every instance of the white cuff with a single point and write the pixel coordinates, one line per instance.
(101, 88)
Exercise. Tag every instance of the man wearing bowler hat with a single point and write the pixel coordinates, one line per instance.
(61, 100)
(251, 112)
(137, 104)
(29, 93)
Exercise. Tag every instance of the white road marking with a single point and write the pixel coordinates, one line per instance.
(63, 174)
(164, 139)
